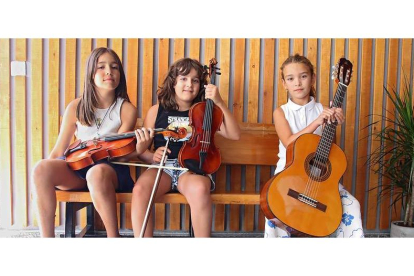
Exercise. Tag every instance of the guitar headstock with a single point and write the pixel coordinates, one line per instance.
(342, 71)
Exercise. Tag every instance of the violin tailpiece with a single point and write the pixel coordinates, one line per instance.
(194, 166)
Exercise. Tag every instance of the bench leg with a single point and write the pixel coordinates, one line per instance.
(190, 227)
(70, 220)
(90, 220)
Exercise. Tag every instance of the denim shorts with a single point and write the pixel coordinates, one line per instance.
(125, 182)
(175, 174)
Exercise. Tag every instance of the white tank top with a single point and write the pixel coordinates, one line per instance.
(298, 117)
(110, 123)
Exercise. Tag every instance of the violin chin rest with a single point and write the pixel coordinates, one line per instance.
(194, 166)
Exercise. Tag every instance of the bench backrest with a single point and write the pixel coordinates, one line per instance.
(258, 145)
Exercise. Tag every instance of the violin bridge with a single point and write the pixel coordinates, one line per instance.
(307, 200)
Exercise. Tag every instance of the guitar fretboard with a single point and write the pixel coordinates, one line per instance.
(328, 133)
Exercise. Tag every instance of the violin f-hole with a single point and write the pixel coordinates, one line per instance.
(95, 149)
(195, 141)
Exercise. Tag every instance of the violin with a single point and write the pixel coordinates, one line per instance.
(199, 154)
(81, 154)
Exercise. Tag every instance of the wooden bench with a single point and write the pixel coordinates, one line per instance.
(258, 145)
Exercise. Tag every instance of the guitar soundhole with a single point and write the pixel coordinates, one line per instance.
(317, 170)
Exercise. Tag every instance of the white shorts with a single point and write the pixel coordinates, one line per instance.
(175, 174)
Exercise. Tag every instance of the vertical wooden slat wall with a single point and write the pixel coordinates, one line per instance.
(20, 206)
(36, 85)
(250, 84)
(53, 102)
(6, 187)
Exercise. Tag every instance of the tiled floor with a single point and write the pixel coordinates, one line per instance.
(34, 233)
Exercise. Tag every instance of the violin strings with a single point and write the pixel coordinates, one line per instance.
(207, 127)
(208, 114)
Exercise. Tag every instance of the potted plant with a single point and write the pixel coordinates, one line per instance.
(393, 159)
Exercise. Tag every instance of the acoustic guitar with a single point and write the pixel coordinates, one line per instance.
(305, 195)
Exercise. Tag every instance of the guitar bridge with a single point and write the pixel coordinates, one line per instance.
(307, 200)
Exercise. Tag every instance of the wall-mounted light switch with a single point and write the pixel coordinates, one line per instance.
(18, 68)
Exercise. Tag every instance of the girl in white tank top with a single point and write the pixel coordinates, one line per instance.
(108, 121)
(103, 109)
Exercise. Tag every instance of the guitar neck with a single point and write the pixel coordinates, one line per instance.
(339, 95)
(329, 130)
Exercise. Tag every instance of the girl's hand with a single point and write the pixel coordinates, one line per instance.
(327, 116)
(331, 115)
(212, 92)
(144, 139)
(158, 154)
(339, 116)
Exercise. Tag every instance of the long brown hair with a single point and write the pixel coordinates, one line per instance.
(166, 92)
(300, 59)
(85, 112)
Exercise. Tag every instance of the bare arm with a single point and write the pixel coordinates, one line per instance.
(286, 136)
(129, 117)
(229, 129)
(67, 130)
(149, 123)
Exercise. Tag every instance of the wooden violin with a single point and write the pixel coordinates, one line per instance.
(305, 195)
(199, 154)
(81, 154)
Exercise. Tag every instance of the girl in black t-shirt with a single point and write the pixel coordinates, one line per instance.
(184, 86)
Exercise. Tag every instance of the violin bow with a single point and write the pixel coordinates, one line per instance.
(149, 166)
(154, 191)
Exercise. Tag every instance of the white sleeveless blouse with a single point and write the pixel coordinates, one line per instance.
(298, 117)
(110, 123)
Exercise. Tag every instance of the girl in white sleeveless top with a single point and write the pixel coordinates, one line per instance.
(103, 109)
(300, 115)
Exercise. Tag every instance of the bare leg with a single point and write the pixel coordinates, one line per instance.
(196, 189)
(48, 174)
(140, 199)
(102, 183)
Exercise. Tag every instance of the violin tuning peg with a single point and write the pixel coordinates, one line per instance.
(218, 73)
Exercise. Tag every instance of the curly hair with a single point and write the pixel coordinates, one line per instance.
(166, 92)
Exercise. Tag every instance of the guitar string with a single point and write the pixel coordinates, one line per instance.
(319, 158)
(326, 143)
(313, 185)
(332, 133)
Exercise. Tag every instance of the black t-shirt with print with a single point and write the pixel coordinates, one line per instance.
(171, 120)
